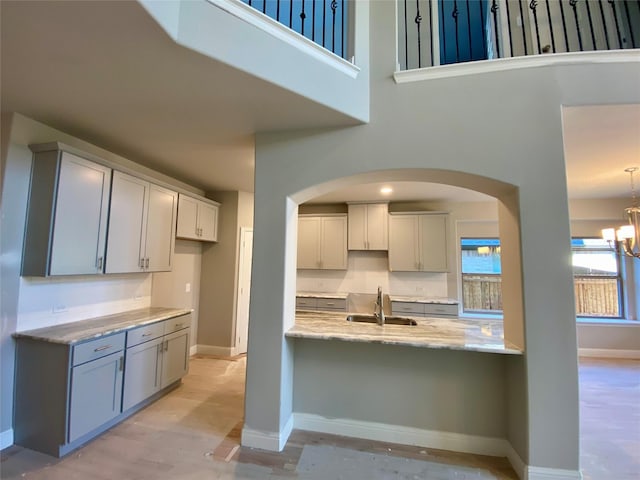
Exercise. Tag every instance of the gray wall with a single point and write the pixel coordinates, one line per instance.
(441, 390)
(505, 126)
(219, 274)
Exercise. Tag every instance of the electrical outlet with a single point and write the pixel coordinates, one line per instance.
(137, 297)
(59, 309)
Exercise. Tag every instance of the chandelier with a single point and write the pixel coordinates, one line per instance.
(627, 235)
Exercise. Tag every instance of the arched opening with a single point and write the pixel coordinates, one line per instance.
(491, 202)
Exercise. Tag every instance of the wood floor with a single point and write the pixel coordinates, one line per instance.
(194, 432)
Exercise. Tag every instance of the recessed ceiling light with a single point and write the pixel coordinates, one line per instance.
(386, 190)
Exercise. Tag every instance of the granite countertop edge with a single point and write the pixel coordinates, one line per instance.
(339, 295)
(333, 326)
(417, 299)
(392, 297)
(82, 330)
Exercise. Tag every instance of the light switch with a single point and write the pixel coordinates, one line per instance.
(187, 287)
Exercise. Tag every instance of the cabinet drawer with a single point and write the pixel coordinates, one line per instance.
(407, 307)
(98, 348)
(440, 309)
(144, 334)
(306, 302)
(177, 323)
(331, 304)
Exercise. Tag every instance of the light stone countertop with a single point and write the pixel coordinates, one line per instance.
(74, 332)
(416, 299)
(338, 295)
(455, 334)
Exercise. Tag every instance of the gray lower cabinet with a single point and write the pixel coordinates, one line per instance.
(418, 309)
(96, 389)
(321, 303)
(155, 364)
(175, 357)
(66, 395)
(142, 375)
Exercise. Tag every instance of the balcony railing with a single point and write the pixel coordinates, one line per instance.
(440, 32)
(321, 21)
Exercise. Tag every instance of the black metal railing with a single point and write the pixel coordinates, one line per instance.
(439, 32)
(322, 21)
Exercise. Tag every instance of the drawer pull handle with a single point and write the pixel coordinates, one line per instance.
(104, 347)
(330, 303)
(178, 325)
(146, 334)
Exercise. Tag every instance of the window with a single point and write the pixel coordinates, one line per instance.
(481, 275)
(597, 280)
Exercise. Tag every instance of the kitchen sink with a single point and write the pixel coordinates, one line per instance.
(388, 320)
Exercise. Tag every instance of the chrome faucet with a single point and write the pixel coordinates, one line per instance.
(378, 309)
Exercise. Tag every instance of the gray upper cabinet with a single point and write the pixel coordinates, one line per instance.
(142, 222)
(418, 242)
(197, 219)
(368, 226)
(322, 242)
(66, 214)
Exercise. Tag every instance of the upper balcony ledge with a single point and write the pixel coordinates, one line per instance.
(516, 63)
(276, 29)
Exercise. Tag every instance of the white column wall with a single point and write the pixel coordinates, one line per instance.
(504, 126)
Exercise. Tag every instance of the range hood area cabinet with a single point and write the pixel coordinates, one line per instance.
(418, 242)
(142, 222)
(368, 226)
(322, 242)
(66, 227)
(197, 219)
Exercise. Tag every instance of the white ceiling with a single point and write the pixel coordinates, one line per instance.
(105, 72)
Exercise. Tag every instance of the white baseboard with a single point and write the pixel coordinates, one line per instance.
(400, 434)
(516, 462)
(609, 353)
(214, 350)
(273, 441)
(193, 350)
(541, 473)
(6, 438)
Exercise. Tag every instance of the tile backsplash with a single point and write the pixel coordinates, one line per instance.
(368, 270)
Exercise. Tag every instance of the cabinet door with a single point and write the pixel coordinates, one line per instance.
(309, 242)
(80, 224)
(142, 372)
(96, 389)
(208, 222)
(433, 243)
(187, 218)
(127, 218)
(161, 223)
(175, 357)
(333, 243)
(377, 226)
(403, 243)
(357, 227)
